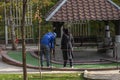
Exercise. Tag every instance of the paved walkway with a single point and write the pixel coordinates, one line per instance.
(103, 75)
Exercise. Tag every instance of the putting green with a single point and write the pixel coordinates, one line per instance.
(17, 55)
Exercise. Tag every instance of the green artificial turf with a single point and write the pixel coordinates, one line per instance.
(17, 55)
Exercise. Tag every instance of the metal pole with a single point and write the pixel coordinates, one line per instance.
(116, 53)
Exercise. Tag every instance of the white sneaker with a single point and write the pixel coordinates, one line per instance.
(64, 67)
(72, 67)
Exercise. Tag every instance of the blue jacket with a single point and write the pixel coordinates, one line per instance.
(48, 39)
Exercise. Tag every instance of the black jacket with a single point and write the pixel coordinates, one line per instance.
(67, 41)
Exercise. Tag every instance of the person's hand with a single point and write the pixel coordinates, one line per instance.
(57, 44)
(51, 51)
(72, 49)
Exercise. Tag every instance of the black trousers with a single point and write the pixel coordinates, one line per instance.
(66, 57)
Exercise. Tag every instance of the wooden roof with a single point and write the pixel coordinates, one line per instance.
(75, 10)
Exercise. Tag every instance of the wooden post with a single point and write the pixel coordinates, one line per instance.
(117, 38)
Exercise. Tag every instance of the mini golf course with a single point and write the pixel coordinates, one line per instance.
(15, 58)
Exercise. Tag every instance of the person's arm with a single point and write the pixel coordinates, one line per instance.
(62, 42)
(52, 46)
(72, 39)
(52, 42)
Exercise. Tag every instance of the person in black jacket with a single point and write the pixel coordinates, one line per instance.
(67, 47)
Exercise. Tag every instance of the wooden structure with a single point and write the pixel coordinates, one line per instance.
(76, 10)
(66, 11)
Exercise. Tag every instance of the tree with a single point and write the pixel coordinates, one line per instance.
(8, 8)
(117, 2)
(23, 39)
(12, 26)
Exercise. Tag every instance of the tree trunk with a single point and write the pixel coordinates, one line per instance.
(12, 26)
(23, 40)
(13, 36)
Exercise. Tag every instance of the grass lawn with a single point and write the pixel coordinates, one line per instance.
(17, 55)
(63, 76)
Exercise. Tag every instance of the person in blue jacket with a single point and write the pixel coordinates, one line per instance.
(46, 44)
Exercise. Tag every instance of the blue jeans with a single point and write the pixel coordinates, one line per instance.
(45, 52)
